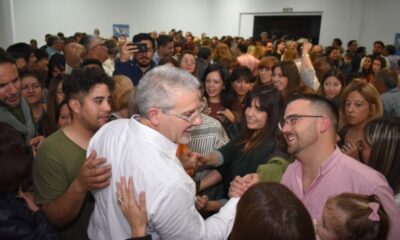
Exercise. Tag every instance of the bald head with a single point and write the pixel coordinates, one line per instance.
(74, 53)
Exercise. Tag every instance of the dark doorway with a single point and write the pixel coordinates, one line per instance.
(288, 27)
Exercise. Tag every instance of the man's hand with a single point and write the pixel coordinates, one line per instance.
(239, 185)
(94, 174)
(127, 50)
(201, 202)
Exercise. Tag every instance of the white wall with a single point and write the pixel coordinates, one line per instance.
(381, 21)
(7, 33)
(36, 18)
(364, 20)
(340, 18)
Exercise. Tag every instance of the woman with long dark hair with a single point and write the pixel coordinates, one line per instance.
(382, 149)
(286, 78)
(253, 145)
(216, 88)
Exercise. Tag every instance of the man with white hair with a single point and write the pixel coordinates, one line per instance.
(144, 147)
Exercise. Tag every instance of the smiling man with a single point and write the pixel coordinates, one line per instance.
(14, 109)
(321, 170)
(145, 147)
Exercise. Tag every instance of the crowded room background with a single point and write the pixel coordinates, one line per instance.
(173, 135)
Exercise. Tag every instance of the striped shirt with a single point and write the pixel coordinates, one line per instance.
(206, 138)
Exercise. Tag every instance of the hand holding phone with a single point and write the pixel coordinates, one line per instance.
(141, 47)
(127, 51)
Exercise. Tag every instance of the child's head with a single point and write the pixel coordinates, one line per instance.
(270, 210)
(353, 216)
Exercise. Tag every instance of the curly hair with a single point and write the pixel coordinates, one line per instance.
(83, 80)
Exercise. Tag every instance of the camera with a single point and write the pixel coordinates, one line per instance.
(142, 47)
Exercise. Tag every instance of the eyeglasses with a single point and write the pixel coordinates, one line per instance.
(292, 119)
(188, 117)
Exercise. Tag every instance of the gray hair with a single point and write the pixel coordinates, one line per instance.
(87, 42)
(158, 86)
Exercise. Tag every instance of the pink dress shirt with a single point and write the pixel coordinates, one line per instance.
(249, 61)
(341, 173)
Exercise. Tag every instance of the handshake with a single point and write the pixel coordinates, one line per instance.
(192, 160)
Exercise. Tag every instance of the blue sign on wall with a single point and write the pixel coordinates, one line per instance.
(121, 30)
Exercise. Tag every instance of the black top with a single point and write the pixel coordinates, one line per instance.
(238, 163)
(18, 222)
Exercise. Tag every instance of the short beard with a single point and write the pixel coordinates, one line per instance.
(185, 139)
(144, 65)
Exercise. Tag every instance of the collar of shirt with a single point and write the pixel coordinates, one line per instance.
(154, 138)
(327, 165)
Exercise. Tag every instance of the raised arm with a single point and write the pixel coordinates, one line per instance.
(307, 70)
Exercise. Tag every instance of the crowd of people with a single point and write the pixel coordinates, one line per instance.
(172, 136)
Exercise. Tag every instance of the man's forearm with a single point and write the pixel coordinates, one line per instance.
(65, 208)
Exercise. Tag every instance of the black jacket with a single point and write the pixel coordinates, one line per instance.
(18, 222)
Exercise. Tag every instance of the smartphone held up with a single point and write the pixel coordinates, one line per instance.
(141, 47)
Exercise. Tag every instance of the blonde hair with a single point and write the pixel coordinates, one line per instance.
(291, 53)
(259, 52)
(123, 88)
(370, 94)
(221, 52)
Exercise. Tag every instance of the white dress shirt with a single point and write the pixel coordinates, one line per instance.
(134, 149)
